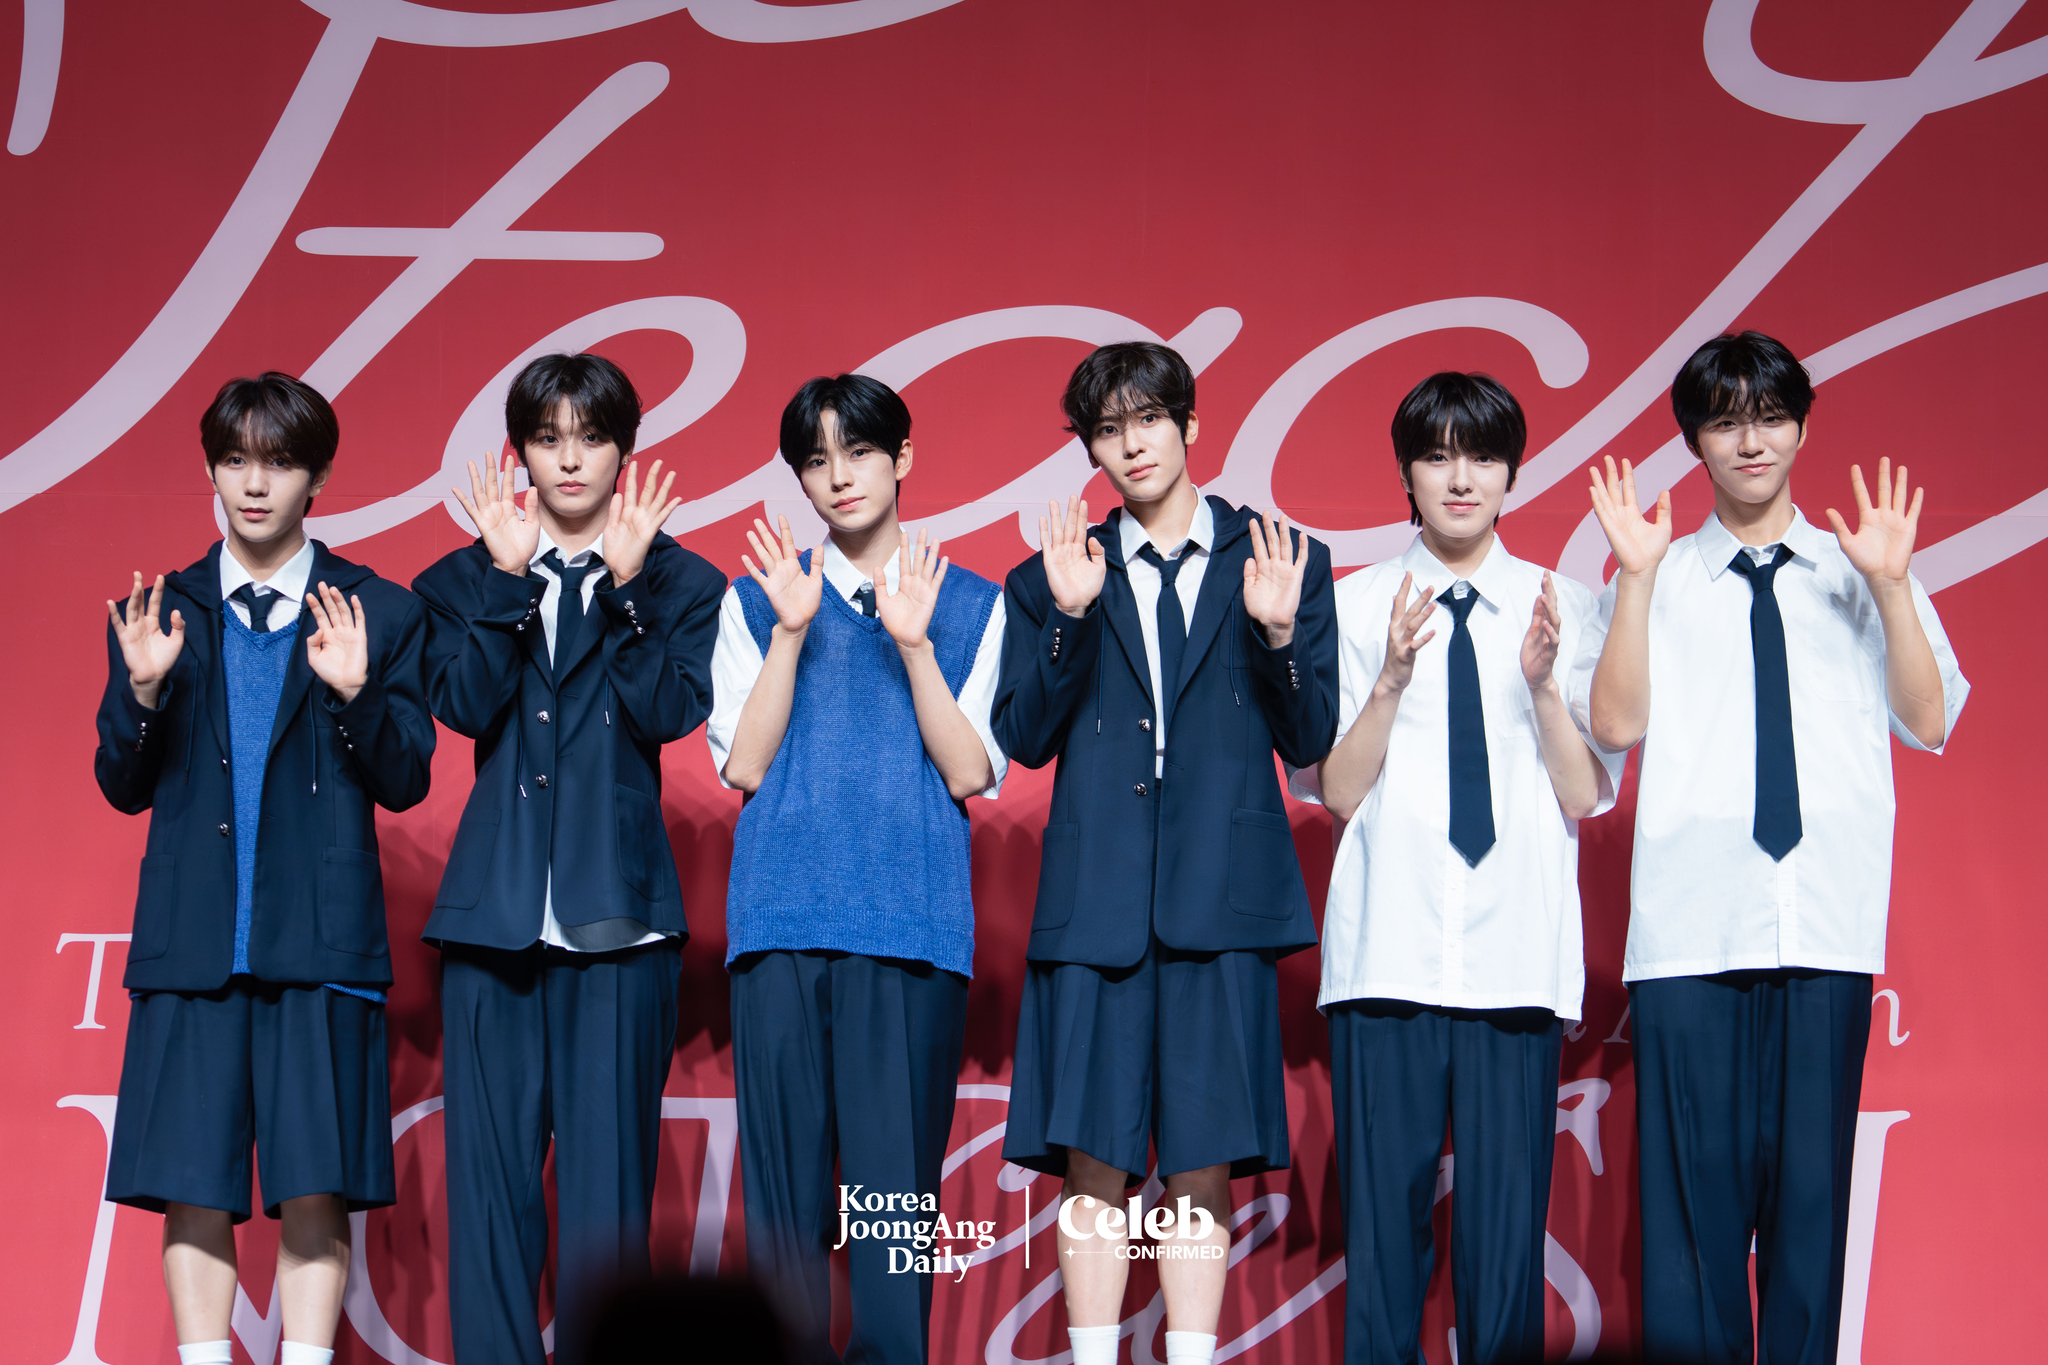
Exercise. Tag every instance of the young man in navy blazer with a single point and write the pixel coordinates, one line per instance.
(1162, 658)
(257, 969)
(570, 641)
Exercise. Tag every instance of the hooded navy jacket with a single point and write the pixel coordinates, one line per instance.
(568, 776)
(319, 894)
(1203, 858)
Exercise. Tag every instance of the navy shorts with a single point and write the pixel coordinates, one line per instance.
(1180, 1053)
(299, 1071)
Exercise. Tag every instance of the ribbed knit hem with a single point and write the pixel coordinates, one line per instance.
(797, 930)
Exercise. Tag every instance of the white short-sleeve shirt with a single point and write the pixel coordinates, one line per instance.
(736, 663)
(1407, 917)
(1704, 897)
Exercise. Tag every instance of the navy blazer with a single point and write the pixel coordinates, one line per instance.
(1204, 858)
(567, 776)
(319, 911)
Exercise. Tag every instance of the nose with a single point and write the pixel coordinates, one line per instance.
(1133, 439)
(1752, 442)
(1461, 475)
(842, 472)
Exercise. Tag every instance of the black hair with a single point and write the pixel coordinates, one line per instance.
(274, 415)
(1472, 414)
(1744, 376)
(1125, 377)
(598, 392)
(869, 411)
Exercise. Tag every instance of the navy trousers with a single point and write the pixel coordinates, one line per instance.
(536, 1044)
(1397, 1071)
(1746, 1091)
(839, 1056)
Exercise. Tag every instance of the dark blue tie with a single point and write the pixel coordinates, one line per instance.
(568, 604)
(1173, 626)
(864, 598)
(1471, 781)
(257, 600)
(1776, 828)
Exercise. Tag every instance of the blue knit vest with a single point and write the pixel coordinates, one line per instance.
(853, 844)
(255, 666)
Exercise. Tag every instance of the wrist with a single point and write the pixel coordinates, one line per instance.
(1387, 688)
(1277, 636)
(146, 690)
(347, 692)
(796, 634)
(1076, 610)
(516, 570)
(1545, 686)
(912, 649)
(1884, 586)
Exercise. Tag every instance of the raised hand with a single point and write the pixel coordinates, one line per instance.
(1882, 546)
(636, 514)
(339, 651)
(1638, 543)
(907, 613)
(145, 648)
(1074, 564)
(1539, 646)
(1272, 578)
(793, 593)
(1402, 641)
(510, 539)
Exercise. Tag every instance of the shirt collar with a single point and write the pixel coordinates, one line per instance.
(846, 579)
(546, 546)
(1201, 531)
(1490, 580)
(289, 581)
(1717, 544)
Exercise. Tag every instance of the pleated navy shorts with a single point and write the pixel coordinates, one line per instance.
(1180, 1053)
(299, 1071)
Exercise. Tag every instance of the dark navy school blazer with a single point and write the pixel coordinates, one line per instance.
(1205, 858)
(571, 772)
(319, 913)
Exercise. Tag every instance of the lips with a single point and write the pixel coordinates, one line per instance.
(846, 503)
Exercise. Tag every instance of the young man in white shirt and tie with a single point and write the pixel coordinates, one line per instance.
(1451, 941)
(1778, 657)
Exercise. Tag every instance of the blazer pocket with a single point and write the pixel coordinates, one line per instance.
(156, 905)
(642, 840)
(1261, 861)
(1059, 876)
(469, 862)
(352, 903)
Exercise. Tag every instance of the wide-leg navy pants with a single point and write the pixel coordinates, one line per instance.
(1746, 1093)
(1397, 1071)
(539, 1044)
(840, 1057)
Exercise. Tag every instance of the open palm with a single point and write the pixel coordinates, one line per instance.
(509, 538)
(1881, 547)
(793, 593)
(1638, 543)
(907, 613)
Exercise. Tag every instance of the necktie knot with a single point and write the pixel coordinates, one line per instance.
(258, 601)
(568, 602)
(864, 598)
(1461, 607)
(1760, 576)
(1169, 569)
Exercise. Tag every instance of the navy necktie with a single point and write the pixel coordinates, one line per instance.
(1776, 828)
(1173, 626)
(568, 603)
(257, 600)
(1471, 780)
(864, 598)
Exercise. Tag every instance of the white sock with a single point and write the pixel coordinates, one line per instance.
(299, 1353)
(1093, 1345)
(207, 1353)
(1190, 1348)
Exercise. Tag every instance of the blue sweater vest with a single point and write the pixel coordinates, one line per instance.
(255, 666)
(853, 844)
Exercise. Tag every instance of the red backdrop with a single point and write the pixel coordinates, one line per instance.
(1320, 201)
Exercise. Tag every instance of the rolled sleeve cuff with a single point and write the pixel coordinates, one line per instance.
(510, 599)
(630, 604)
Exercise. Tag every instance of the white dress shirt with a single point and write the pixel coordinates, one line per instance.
(605, 935)
(1144, 576)
(1705, 898)
(288, 583)
(736, 662)
(1407, 918)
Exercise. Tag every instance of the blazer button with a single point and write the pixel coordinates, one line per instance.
(1139, 789)
(223, 765)
(540, 780)
(225, 831)
(1145, 724)
(542, 717)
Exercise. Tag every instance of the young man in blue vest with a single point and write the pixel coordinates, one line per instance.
(1452, 951)
(570, 641)
(1162, 659)
(239, 704)
(1765, 666)
(854, 684)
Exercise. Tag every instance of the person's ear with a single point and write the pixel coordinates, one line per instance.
(1093, 463)
(1194, 426)
(1802, 439)
(903, 462)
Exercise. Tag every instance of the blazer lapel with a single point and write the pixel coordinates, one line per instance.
(1222, 580)
(1120, 607)
(200, 586)
(298, 679)
(589, 634)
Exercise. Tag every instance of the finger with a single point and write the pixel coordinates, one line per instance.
(1863, 508)
(1258, 540)
(1082, 516)
(1841, 527)
(156, 601)
(1884, 483)
(1097, 556)
(362, 621)
(319, 610)
(936, 558)
(668, 509)
(1283, 543)
(177, 626)
(756, 574)
(1899, 494)
(532, 503)
(1401, 597)
(1913, 512)
(1044, 535)
(1419, 641)
(1613, 480)
(666, 484)
(1663, 508)
(135, 599)
(939, 578)
(817, 569)
(1077, 517)
(788, 539)
(467, 505)
(1628, 484)
(476, 486)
